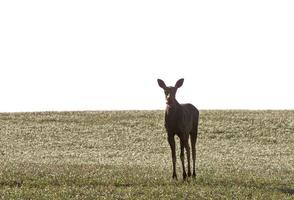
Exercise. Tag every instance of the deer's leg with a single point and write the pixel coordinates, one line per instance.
(193, 144)
(182, 155)
(187, 146)
(171, 141)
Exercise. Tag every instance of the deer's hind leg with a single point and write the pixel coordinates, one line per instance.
(193, 135)
(182, 156)
(187, 146)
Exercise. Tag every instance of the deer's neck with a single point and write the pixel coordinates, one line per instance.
(171, 115)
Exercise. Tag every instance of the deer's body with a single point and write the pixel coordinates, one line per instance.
(180, 120)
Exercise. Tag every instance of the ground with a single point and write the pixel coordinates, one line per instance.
(125, 155)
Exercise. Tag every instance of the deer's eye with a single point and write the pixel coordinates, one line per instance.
(166, 92)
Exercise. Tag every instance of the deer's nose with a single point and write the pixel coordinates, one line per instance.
(168, 97)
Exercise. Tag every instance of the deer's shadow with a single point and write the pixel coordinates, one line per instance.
(286, 190)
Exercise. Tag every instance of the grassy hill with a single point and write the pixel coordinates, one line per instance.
(125, 155)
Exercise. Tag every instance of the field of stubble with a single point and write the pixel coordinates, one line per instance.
(125, 155)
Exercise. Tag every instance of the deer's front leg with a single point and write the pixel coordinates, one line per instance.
(171, 141)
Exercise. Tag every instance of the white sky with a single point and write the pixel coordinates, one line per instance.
(105, 55)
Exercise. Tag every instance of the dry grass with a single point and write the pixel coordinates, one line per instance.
(125, 155)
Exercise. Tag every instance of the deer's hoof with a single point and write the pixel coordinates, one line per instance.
(175, 177)
(189, 174)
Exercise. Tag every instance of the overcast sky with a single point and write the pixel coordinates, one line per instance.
(106, 55)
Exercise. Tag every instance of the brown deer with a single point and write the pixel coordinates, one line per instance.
(180, 120)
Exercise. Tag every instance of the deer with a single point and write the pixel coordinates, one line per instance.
(180, 120)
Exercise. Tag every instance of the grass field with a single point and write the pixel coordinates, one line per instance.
(125, 155)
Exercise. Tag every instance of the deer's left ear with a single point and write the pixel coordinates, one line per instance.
(179, 83)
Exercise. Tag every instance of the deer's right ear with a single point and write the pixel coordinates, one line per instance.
(161, 83)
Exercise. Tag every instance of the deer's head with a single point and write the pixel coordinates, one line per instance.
(170, 92)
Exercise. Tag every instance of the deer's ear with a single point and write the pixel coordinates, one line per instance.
(161, 83)
(179, 83)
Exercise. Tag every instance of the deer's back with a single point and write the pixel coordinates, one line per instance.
(189, 118)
